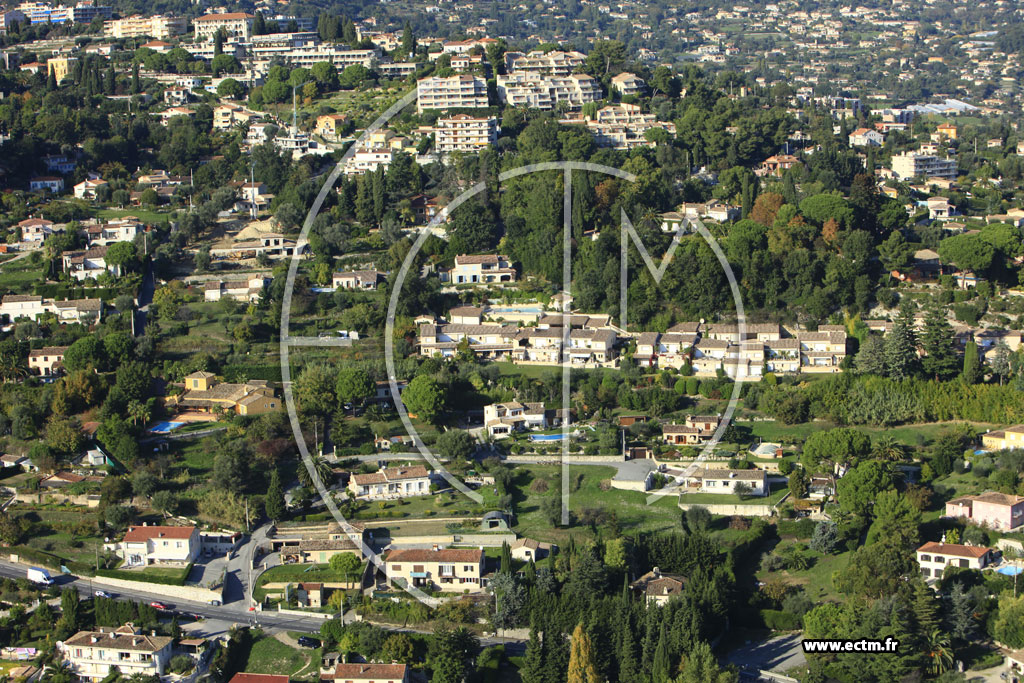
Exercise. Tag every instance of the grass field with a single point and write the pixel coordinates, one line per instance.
(270, 656)
(21, 275)
(68, 532)
(143, 215)
(910, 435)
(817, 580)
(294, 573)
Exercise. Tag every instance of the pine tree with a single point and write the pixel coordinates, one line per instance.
(972, 364)
(901, 345)
(378, 194)
(925, 609)
(348, 32)
(961, 613)
(581, 658)
(274, 503)
(940, 360)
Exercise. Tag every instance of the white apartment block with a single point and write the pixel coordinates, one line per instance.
(910, 165)
(628, 84)
(464, 133)
(541, 92)
(454, 92)
(137, 26)
(92, 654)
(623, 126)
(555, 63)
(235, 24)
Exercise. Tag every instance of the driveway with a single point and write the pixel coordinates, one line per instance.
(780, 654)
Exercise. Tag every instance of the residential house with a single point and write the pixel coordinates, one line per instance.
(726, 481)
(47, 360)
(50, 183)
(664, 350)
(358, 279)
(947, 130)
(309, 594)
(695, 430)
(368, 673)
(88, 188)
(933, 558)
(866, 137)
(85, 311)
(777, 164)
(205, 394)
(124, 229)
(1001, 511)
(482, 269)
(253, 196)
(332, 126)
(91, 263)
(243, 289)
(501, 419)
(146, 545)
(529, 550)
(1011, 437)
(92, 654)
(448, 569)
(657, 587)
(391, 482)
(318, 550)
(35, 229)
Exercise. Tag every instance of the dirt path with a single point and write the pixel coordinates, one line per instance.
(293, 643)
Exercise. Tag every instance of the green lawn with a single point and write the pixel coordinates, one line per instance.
(22, 275)
(910, 435)
(69, 532)
(816, 581)
(144, 215)
(270, 656)
(295, 573)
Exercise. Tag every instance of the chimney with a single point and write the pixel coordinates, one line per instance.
(656, 571)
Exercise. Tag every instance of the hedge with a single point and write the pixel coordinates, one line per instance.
(50, 560)
(777, 620)
(145, 578)
(270, 372)
(803, 528)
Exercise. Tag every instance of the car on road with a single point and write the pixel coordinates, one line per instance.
(306, 641)
(159, 605)
(102, 594)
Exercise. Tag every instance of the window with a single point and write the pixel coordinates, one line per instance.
(926, 572)
(926, 558)
(963, 563)
(396, 567)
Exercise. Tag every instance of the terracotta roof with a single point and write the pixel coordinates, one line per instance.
(120, 639)
(226, 16)
(258, 678)
(48, 351)
(954, 549)
(139, 534)
(442, 555)
(389, 672)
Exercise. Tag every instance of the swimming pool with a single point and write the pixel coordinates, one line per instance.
(1011, 570)
(547, 437)
(515, 309)
(165, 427)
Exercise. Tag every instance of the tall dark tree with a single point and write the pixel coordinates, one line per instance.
(940, 359)
(901, 359)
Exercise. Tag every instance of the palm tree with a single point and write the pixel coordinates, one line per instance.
(138, 412)
(938, 652)
(887, 448)
(323, 472)
(12, 367)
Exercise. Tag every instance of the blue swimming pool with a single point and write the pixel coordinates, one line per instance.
(165, 427)
(547, 437)
(515, 309)
(1010, 571)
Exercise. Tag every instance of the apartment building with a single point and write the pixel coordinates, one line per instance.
(391, 482)
(623, 126)
(481, 269)
(911, 165)
(933, 558)
(587, 346)
(235, 25)
(465, 133)
(448, 569)
(554, 63)
(453, 92)
(545, 92)
(92, 654)
(147, 545)
(136, 26)
(47, 360)
(1001, 511)
(82, 13)
(228, 116)
(627, 84)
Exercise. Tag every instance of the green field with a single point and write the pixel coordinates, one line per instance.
(270, 656)
(143, 215)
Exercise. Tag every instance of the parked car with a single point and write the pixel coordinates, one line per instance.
(306, 641)
(102, 594)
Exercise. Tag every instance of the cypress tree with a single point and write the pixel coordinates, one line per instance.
(972, 364)
(218, 43)
(275, 504)
(581, 658)
(135, 79)
(534, 662)
(661, 667)
(901, 345)
(51, 81)
(506, 559)
(408, 40)
(940, 360)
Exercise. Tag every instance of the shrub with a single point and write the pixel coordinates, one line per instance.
(777, 620)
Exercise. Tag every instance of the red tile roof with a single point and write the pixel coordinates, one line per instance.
(258, 678)
(389, 672)
(138, 534)
(443, 555)
(954, 549)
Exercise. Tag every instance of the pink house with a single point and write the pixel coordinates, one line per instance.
(995, 510)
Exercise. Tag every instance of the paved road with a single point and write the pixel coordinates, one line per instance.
(775, 654)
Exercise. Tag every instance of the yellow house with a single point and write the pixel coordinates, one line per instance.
(1011, 437)
(331, 126)
(947, 129)
(204, 393)
(60, 66)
